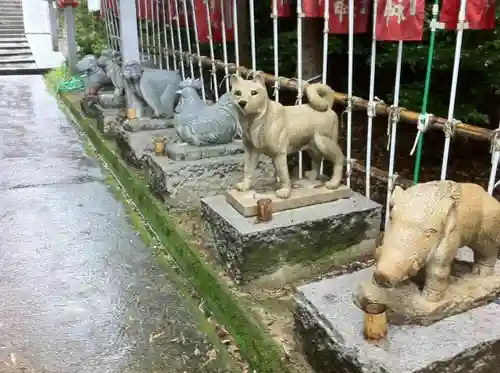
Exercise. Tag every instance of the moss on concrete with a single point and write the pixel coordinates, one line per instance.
(256, 345)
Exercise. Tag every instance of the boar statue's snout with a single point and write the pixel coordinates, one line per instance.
(382, 280)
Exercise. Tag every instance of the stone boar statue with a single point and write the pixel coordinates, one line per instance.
(429, 223)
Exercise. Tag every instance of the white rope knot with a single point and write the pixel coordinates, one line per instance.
(223, 80)
(450, 126)
(371, 108)
(391, 182)
(423, 123)
(392, 119)
(348, 170)
(300, 96)
(495, 141)
(276, 87)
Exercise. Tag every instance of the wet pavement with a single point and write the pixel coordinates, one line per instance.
(79, 291)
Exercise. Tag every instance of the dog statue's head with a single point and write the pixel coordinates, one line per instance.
(250, 96)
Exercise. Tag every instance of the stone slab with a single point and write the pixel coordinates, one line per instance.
(330, 326)
(135, 145)
(304, 193)
(109, 120)
(183, 183)
(187, 152)
(248, 250)
(146, 124)
(406, 305)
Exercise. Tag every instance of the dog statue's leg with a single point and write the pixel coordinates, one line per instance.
(280, 162)
(251, 161)
(333, 153)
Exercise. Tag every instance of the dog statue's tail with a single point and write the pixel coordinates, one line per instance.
(320, 96)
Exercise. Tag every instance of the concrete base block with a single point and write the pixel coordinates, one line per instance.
(186, 152)
(330, 328)
(248, 250)
(135, 145)
(109, 120)
(184, 183)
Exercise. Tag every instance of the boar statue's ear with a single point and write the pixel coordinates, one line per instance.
(234, 79)
(396, 195)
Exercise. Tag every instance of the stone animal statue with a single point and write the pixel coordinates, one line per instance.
(111, 62)
(429, 223)
(275, 130)
(197, 123)
(151, 89)
(95, 75)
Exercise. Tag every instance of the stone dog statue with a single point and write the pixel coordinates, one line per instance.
(197, 123)
(151, 89)
(429, 223)
(95, 75)
(275, 130)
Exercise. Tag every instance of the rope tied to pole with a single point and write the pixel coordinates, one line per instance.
(371, 108)
(392, 182)
(450, 126)
(495, 141)
(276, 87)
(424, 121)
(392, 119)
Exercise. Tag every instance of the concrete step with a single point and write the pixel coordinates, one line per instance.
(9, 31)
(12, 23)
(12, 36)
(15, 52)
(16, 59)
(13, 39)
(12, 16)
(14, 45)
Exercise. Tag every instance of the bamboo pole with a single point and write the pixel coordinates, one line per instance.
(462, 129)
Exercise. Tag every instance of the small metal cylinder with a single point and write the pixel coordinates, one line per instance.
(131, 113)
(264, 209)
(375, 321)
(159, 146)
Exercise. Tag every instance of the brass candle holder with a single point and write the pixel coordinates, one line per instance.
(159, 146)
(264, 210)
(375, 321)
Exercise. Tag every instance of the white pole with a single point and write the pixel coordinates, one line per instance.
(276, 50)
(300, 16)
(171, 28)
(495, 156)
(212, 53)
(153, 36)
(326, 29)
(236, 40)
(107, 23)
(252, 35)
(188, 37)
(224, 43)
(165, 40)
(139, 13)
(197, 40)
(350, 73)
(393, 125)
(146, 11)
(371, 109)
(454, 82)
(158, 34)
(179, 38)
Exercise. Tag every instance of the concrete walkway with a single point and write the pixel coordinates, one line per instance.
(80, 292)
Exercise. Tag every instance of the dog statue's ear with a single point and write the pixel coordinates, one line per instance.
(259, 78)
(234, 78)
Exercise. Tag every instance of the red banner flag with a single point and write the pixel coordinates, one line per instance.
(400, 20)
(313, 8)
(339, 16)
(284, 7)
(480, 14)
(215, 11)
(144, 10)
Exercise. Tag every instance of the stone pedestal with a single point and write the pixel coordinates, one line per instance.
(330, 328)
(108, 120)
(135, 145)
(248, 250)
(183, 183)
(147, 124)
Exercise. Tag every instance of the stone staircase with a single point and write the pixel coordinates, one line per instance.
(15, 53)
